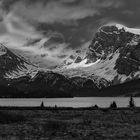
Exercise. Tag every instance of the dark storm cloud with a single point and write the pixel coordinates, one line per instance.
(127, 13)
(58, 10)
(75, 20)
(65, 11)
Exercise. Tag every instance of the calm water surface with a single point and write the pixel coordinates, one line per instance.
(70, 102)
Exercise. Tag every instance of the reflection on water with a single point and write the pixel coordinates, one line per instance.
(70, 102)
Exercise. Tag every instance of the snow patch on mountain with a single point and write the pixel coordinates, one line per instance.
(26, 70)
(131, 30)
(100, 68)
(105, 69)
(81, 64)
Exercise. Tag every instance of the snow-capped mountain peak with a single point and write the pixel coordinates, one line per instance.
(130, 30)
(12, 65)
(113, 56)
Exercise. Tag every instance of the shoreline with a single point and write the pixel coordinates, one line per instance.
(64, 108)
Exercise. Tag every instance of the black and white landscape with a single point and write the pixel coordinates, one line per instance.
(69, 69)
(69, 48)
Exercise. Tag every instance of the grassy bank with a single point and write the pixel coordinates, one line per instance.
(68, 123)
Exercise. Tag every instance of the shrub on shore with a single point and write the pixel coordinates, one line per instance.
(131, 102)
(113, 105)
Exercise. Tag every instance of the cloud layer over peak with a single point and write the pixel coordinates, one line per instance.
(53, 29)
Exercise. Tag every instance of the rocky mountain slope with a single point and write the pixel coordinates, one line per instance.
(12, 65)
(109, 67)
(19, 78)
(113, 56)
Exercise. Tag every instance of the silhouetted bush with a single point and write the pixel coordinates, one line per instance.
(96, 106)
(113, 105)
(42, 104)
(131, 102)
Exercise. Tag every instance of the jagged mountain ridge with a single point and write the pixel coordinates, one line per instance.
(110, 39)
(113, 55)
(12, 65)
(19, 80)
(49, 84)
(112, 58)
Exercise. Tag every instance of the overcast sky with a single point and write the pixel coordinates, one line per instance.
(75, 21)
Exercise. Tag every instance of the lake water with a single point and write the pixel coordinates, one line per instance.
(70, 102)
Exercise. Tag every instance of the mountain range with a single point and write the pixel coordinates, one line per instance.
(109, 66)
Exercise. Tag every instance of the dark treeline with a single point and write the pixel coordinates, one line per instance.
(42, 91)
(13, 92)
(126, 89)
